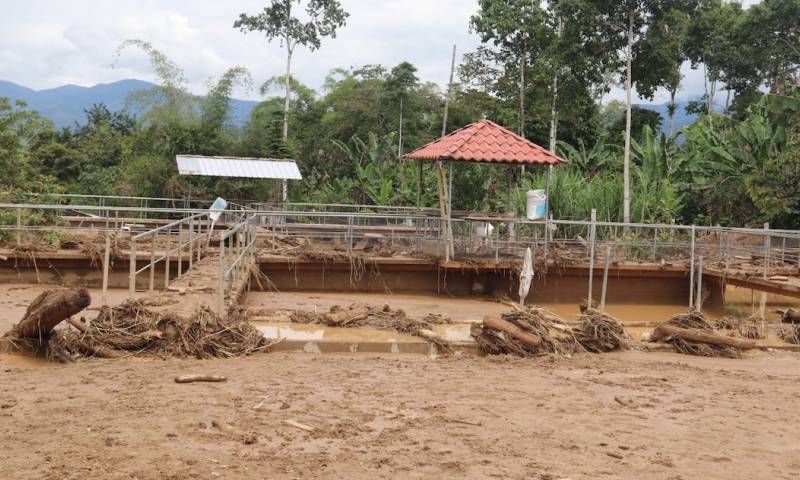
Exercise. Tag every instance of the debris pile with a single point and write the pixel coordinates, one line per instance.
(691, 334)
(599, 332)
(132, 328)
(525, 333)
(746, 327)
(380, 317)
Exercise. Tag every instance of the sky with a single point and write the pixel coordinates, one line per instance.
(48, 43)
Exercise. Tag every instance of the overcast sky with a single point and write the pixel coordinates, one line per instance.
(47, 43)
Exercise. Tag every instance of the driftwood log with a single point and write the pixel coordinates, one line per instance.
(500, 325)
(49, 309)
(665, 331)
(199, 378)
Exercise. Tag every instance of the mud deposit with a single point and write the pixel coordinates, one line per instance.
(618, 416)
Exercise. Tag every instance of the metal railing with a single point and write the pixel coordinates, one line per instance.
(238, 243)
(197, 232)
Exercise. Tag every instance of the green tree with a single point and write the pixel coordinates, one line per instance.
(277, 21)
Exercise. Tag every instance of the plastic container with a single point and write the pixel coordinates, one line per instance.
(536, 205)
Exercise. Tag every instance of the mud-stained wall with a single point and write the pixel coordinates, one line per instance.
(555, 287)
(79, 273)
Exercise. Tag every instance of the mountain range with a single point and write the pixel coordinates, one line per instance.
(65, 105)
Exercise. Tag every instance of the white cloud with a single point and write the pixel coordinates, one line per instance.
(46, 43)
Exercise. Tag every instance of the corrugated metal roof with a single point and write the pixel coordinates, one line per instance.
(238, 167)
(485, 141)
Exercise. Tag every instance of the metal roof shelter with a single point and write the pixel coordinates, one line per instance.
(238, 167)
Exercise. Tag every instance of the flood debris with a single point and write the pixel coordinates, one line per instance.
(381, 317)
(599, 332)
(525, 333)
(751, 327)
(44, 313)
(691, 334)
(133, 329)
(790, 333)
(534, 332)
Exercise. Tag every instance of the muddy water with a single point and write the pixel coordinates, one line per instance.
(15, 360)
(464, 311)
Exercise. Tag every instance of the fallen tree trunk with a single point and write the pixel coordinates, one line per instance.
(343, 317)
(49, 309)
(500, 325)
(665, 331)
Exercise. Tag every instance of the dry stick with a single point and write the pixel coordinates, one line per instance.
(199, 378)
(296, 424)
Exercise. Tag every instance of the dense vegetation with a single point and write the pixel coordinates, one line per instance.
(541, 70)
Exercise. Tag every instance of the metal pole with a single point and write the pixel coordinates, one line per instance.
(106, 259)
(691, 272)
(699, 299)
(132, 271)
(592, 238)
(152, 284)
(604, 290)
(655, 241)
(221, 284)
(180, 251)
(19, 227)
(767, 248)
(191, 243)
(167, 259)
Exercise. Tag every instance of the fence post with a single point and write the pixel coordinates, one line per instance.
(180, 251)
(767, 248)
(221, 284)
(132, 270)
(19, 227)
(167, 258)
(604, 290)
(691, 272)
(152, 284)
(592, 238)
(655, 241)
(699, 299)
(191, 243)
(106, 260)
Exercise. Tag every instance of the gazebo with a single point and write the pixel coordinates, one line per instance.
(484, 142)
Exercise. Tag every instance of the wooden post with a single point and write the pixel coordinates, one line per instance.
(106, 260)
(604, 290)
(592, 235)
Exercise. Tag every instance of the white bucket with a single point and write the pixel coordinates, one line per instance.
(536, 205)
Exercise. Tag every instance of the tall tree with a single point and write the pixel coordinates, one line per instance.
(626, 23)
(278, 21)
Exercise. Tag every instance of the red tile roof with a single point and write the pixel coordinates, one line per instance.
(485, 141)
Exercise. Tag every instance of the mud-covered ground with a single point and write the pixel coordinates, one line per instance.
(619, 416)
